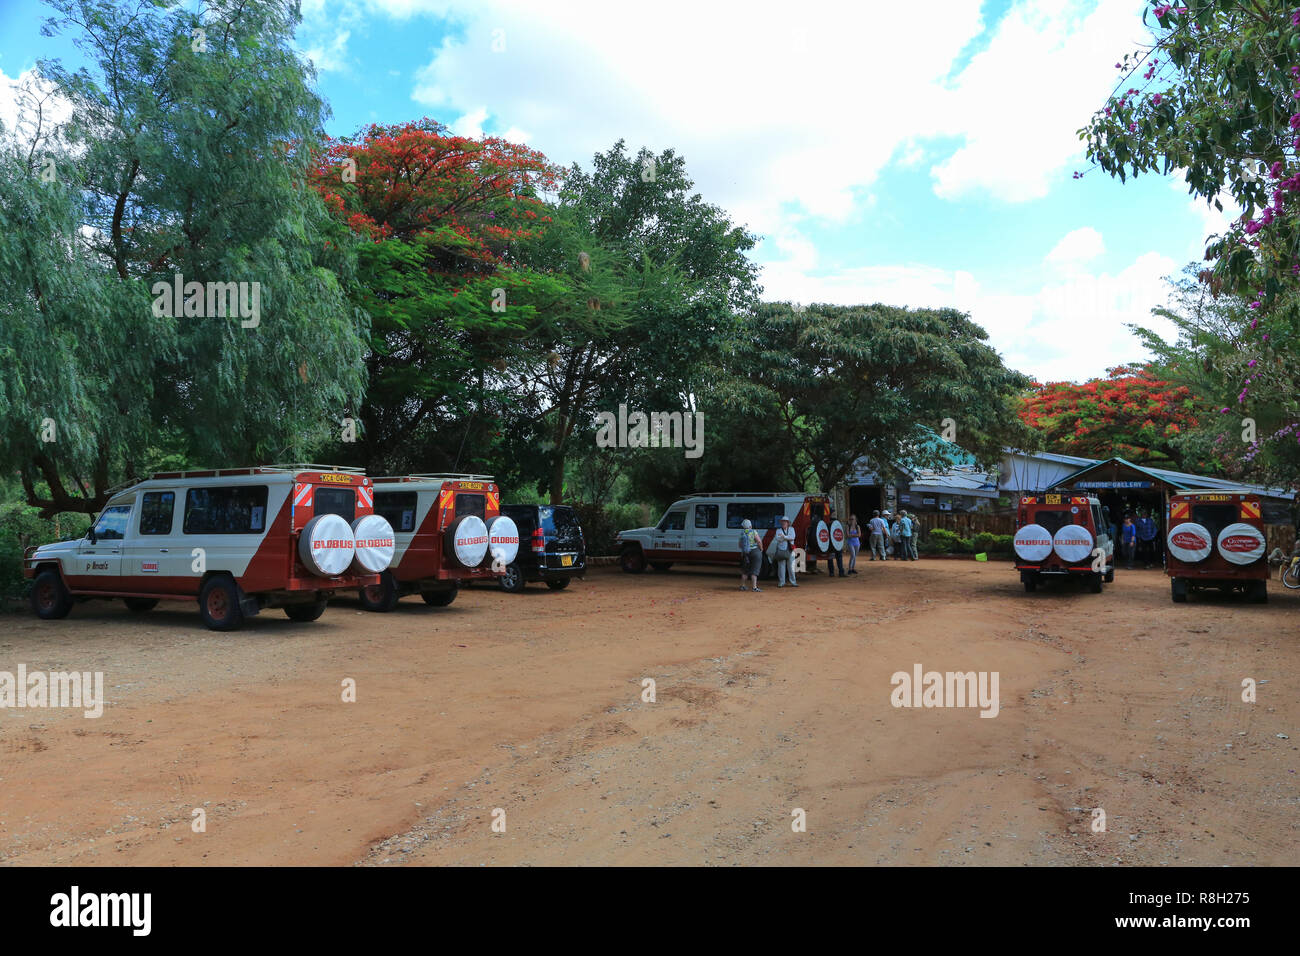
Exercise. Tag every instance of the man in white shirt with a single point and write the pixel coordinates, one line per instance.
(878, 529)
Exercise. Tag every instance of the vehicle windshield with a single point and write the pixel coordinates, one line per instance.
(112, 522)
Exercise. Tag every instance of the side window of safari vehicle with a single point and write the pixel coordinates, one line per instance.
(235, 510)
(156, 508)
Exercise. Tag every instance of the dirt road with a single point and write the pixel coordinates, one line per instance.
(765, 704)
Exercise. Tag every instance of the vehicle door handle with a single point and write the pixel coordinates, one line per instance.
(162, 550)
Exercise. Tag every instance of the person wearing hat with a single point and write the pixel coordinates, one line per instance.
(751, 555)
(782, 553)
(878, 530)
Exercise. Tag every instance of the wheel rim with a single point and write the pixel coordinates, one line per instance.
(511, 577)
(45, 596)
(374, 593)
(217, 604)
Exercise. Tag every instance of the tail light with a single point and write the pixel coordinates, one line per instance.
(539, 541)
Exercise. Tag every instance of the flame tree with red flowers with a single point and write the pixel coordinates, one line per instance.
(1130, 413)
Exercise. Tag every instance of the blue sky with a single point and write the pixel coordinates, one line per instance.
(914, 154)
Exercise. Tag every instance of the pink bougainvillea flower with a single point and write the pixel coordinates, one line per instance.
(1156, 99)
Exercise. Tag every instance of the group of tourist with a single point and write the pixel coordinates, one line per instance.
(888, 536)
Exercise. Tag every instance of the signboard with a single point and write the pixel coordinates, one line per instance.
(1114, 484)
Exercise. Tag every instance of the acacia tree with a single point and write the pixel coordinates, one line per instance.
(183, 155)
(441, 278)
(872, 381)
(1131, 412)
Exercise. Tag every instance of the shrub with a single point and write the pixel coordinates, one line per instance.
(601, 522)
(943, 541)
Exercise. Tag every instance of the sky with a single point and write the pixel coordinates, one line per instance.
(916, 154)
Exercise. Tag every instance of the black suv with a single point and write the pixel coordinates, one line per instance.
(551, 547)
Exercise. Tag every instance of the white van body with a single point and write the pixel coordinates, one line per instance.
(237, 540)
(705, 528)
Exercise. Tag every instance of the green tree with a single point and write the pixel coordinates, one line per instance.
(872, 381)
(657, 276)
(186, 154)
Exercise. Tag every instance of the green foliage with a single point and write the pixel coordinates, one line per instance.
(184, 161)
(600, 522)
(874, 381)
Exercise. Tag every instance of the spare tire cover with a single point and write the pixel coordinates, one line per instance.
(503, 538)
(1242, 543)
(823, 536)
(374, 544)
(1073, 543)
(327, 545)
(467, 541)
(1190, 542)
(1033, 542)
(837, 536)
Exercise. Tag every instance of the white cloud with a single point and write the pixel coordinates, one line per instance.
(470, 124)
(1076, 249)
(331, 57)
(1018, 104)
(774, 114)
(18, 98)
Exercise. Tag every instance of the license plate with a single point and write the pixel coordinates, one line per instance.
(566, 560)
(1053, 500)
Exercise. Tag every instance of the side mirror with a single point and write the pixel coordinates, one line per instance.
(90, 533)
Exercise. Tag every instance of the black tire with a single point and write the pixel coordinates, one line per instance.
(381, 597)
(766, 570)
(140, 605)
(557, 584)
(50, 598)
(440, 598)
(219, 603)
(632, 560)
(1094, 582)
(661, 565)
(1030, 582)
(1178, 590)
(306, 612)
(513, 580)
(1110, 576)
(1257, 592)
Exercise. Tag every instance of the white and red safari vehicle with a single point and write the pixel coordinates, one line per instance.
(705, 529)
(1059, 535)
(1216, 540)
(447, 529)
(236, 539)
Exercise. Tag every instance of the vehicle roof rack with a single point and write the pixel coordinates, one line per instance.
(312, 466)
(753, 494)
(424, 476)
